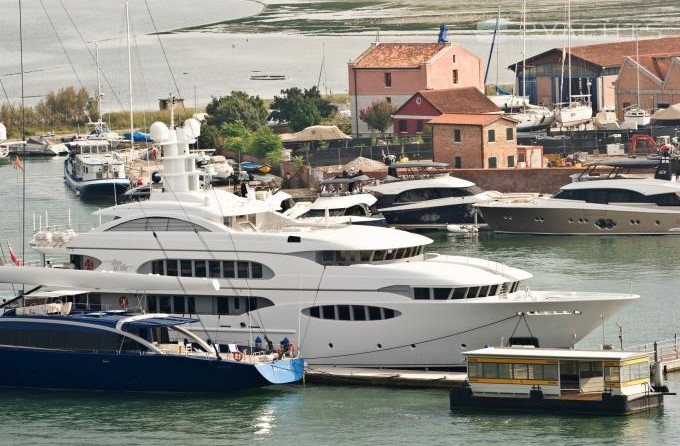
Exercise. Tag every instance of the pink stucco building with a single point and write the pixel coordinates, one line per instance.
(394, 72)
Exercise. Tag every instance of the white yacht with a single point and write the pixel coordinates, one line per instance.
(418, 194)
(617, 205)
(36, 146)
(349, 295)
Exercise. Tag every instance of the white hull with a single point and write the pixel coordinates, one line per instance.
(637, 116)
(573, 115)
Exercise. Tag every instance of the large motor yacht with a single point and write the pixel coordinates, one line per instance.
(349, 295)
(616, 205)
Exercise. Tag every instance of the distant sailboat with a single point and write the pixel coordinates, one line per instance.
(636, 114)
(528, 116)
(578, 110)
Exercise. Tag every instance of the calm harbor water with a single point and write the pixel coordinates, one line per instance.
(308, 415)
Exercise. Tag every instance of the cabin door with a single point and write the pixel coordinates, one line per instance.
(569, 376)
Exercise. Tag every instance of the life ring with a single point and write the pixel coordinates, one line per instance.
(123, 301)
(237, 356)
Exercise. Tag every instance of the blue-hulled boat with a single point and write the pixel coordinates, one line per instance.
(45, 345)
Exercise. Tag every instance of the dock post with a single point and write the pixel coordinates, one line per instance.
(656, 352)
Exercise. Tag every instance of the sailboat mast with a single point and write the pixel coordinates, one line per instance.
(99, 84)
(637, 62)
(524, 48)
(127, 23)
(569, 47)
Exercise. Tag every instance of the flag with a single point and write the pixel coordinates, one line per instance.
(13, 256)
(18, 164)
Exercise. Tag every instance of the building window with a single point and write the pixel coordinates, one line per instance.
(453, 58)
(388, 79)
(457, 162)
(509, 134)
(492, 162)
(492, 135)
(402, 126)
(511, 161)
(456, 135)
(455, 76)
(419, 126)
(388, 100)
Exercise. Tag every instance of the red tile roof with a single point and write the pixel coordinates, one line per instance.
(658, 64)
(612, 54)
(460, 100)
(468, 119)
(399, 55)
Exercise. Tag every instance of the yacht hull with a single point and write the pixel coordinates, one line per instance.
(432, 212)
(585, 220)
(52, 369)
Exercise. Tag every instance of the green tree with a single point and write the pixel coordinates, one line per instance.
(209, 137)
(265, 141)
(297, 164)
(65, 106)
(301, 108)
(237, 136)
(378, 116)
(237, 106)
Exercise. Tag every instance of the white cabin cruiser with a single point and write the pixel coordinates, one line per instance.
(349, 295)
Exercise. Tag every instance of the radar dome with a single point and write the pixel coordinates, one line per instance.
(159, 131)
(192, 128)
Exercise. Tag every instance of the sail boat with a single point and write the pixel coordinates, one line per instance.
(636, 114)
(579, 110)
(529, 117)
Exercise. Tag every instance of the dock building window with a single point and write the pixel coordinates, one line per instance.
(225, 269)
(491, 135)
(516, 371)
(388, 79)
(509, 134)
(351, 312)
(454, 77)
(456, 135)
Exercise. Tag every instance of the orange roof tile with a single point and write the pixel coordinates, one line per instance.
(467, 119)
(460, 100)
(658, 64)
(399, 55)
(612, 54)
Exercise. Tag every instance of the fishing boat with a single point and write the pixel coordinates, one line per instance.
(65, 339)
(557, 380)
(92, 170)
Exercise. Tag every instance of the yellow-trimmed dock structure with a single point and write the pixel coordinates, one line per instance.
(550, 380)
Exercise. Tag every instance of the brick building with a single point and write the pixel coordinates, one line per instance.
(411, 118)
(659, 76)
(594, 70)
(474, 140)
(394, 72)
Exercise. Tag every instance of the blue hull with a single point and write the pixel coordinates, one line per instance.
(49, 369)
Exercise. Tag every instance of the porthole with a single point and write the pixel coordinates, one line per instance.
(657, 222)
(571, 220)
(413, 345)
(463, 345)
(330, 345)
(379, 345)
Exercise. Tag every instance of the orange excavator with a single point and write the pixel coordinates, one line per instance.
(663, 144)
(650, 144)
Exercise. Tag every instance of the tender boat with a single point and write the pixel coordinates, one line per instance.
(342, 200)
(47, 344)
(37, 146)
(557, 380)
(92, 170)
(351, 295)
(618, 206)
(418, 194)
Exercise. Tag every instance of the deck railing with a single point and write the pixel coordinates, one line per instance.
(659, 351)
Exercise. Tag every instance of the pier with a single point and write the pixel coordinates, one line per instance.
(666, 353)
